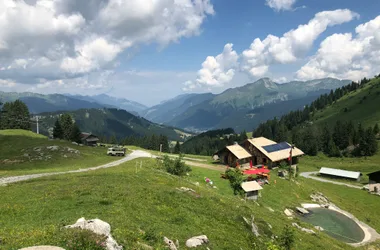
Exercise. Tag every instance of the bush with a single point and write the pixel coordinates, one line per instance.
(79, 239)
(236, 178)
(287, 239)
(176, 167)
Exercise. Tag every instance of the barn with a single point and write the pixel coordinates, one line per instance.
(374, 181)
(339, 173)
(270, 153)
(231, 155)
(89, 139)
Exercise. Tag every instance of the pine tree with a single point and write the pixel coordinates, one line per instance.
(57, 130)
(15, 116)
(113, 139)
(332, 149)
(326, 140)
(177, 148)
(75, 134)
(66, 123)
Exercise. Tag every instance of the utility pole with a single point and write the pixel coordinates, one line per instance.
(38, 129)
(160, 148)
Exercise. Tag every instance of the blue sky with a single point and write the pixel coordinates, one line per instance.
(133, 50)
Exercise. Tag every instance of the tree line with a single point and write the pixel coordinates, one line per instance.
(209, 142)
(343, 138)
(65, 128)
(14, 115)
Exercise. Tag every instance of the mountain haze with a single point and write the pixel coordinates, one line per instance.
(245, 107)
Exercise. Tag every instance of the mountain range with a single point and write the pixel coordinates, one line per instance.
(110, 122)
(241, 108)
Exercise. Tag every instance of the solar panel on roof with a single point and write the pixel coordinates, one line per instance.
(276, 147)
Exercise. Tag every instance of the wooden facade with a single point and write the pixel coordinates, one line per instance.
(257, 156)
(374, 182)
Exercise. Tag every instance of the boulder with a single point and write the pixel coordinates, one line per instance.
(52, 148)
(99, 227)
(288, 212)
(319, 228)
(197, 241)
(302, 210)
(309, 231)
(170, 244)
(37, 149)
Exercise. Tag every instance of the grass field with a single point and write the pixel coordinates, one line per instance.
(33, 212)
(24, 152)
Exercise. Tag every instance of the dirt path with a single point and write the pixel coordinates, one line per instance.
(310, 176)
(220, 168)
(135, 154)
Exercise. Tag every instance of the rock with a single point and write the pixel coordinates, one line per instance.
(71, 150)
(302, 210)
(42, 248)
(288, 212)
(74, 143)
(170, 244)
(270, 209)
(320, 199)
(53, 148)
(64, 156)
(197, 241)
(319, 228)
(251, 223)
(37, 149)
(197, 184)
(26, 155)
(185, 189)
(309, 231)
(99, 227)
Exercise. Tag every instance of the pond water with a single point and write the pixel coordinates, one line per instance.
(335, 224)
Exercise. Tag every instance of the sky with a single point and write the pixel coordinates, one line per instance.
(153, 50)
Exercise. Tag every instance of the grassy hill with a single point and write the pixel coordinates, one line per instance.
(359, 106)
(24, 152)
(108, 122)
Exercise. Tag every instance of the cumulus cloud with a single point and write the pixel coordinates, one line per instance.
(292, 45)
(347, 56)
(216, 71)
(60, 39)
(279, 5)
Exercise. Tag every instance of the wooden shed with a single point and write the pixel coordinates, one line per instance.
(251, 189)
(270, 153)
(231, 155)
(374, 182)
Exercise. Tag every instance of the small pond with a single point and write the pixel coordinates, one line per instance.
(335, 224)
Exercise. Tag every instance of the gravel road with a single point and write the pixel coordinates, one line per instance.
(135, 154)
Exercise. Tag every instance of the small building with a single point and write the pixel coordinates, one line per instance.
(374, 182)
(270, 153)
(251, 189)
(231, 155)
(89, 139)
(339, 173)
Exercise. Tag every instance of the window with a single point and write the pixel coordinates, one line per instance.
(264, 160)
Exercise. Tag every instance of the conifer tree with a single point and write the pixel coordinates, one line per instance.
(177, 148)
(57, 130)
(75, 133)
(66, 123)
(376, 129)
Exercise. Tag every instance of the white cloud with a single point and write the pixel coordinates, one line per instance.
(216, 71)
(293, 45)
(279, 5)
(347, 56)
(60, 39)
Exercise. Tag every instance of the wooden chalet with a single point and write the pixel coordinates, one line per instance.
(89, 139)
(231, 155)
(270, 153)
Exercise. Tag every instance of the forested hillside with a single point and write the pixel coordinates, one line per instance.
(344, 122)
(110, 123)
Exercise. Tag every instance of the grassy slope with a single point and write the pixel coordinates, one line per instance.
(148, 200)
(15, 143)
(366, 110)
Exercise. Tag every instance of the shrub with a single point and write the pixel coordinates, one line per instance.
(79, 239)
(236, 178)
(176, 167)
(287, 239)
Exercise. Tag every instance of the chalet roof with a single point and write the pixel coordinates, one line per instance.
(374, 173)
(251, 186)
(274, 151)
(239, 151)
(340, 173)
